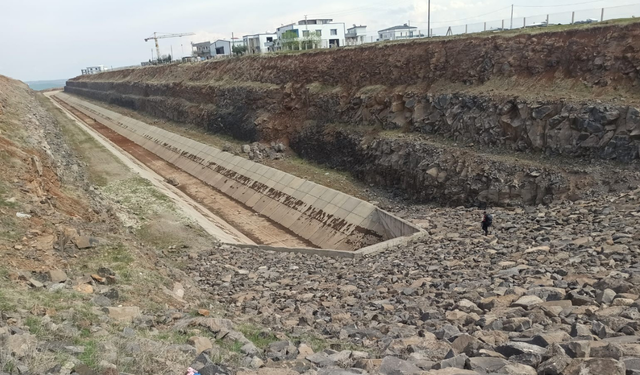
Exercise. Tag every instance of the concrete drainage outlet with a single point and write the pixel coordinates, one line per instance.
(329, 222)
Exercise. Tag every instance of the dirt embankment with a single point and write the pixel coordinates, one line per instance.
(571, 93)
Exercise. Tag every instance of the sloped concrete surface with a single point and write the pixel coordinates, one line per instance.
(325, 217)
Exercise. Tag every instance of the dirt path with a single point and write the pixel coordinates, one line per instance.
(238, 223)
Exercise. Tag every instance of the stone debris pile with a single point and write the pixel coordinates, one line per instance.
(553, 290)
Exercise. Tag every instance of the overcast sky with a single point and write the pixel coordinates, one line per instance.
(46, 39)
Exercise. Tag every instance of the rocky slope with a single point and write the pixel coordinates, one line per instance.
(567, 93)
(84, 285)
(549, 291)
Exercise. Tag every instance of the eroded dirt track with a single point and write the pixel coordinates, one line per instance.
(257, 228)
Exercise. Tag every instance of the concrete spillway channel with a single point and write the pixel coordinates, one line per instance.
(273, 210)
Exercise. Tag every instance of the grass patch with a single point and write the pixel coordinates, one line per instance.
(3, 196)
(90, 357)
(116, 257)
(9, 367)
(12, 297)
(35, 325)
(233, 347)
(257, 336)
(5, 304)
(316, 343)
(173, 337)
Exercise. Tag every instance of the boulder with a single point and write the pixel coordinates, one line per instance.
(57, 276)
(281, 351)
(396, 366)
(21, 345)
(595, 366)
(487, 365)
(200, 343)
(124, 314)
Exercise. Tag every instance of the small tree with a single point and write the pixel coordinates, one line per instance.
(290, 40)
(239, 50)
(311, 41)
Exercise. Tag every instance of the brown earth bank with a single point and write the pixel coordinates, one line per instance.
(567, 93)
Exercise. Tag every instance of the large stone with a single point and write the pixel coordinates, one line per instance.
(20, 345)
(515, 348)
(466, 344)
(459, 361)
(213, 369)
(281, 351)
(610, 350)
(529, 359)
(632, 364)
(83, 288)
(605, 296)
(527, 302)
(547, 293)
(396, 366)
(200, 343)
(85, 242)
(487, 365)
(57, 276)
(518, 369)
(577, 349)
(554, 365)
(595, 366)
(546, 339)
(429, 346)
(124, 314)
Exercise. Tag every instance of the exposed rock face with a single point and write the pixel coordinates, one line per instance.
(428, 171)
(464, 91)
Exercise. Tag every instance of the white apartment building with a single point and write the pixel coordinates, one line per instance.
(94, 69)
(259, 43)
(398, 32)
(331, 34)
(356, 35)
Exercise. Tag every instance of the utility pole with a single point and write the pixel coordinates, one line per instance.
(511, 27)
(429, 18)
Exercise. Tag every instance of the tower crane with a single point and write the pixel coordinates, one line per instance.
(155, 37)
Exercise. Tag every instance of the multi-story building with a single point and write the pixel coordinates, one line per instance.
(327, 33)
(201, 50)
(398, 32)
(94, 69)
(356, 35)
(259, 43)
(221, 48)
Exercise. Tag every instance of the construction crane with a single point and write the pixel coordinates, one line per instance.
(155, 37)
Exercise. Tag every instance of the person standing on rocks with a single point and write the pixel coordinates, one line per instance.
(487, 220)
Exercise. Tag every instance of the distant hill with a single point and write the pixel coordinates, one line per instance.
(44, 85)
